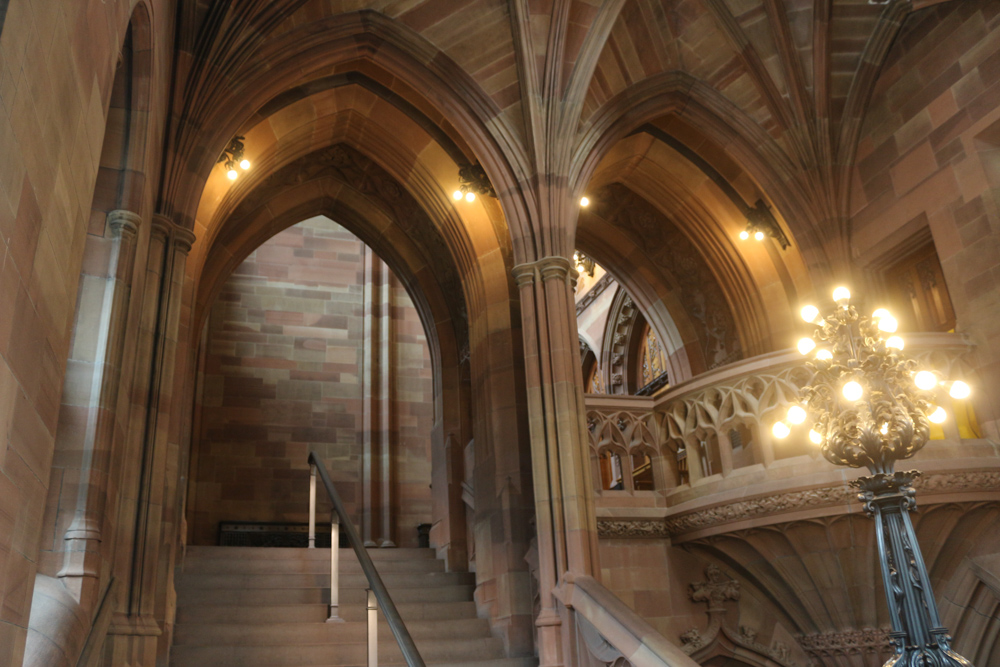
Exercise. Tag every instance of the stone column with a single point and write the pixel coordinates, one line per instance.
(564, 502)
(98, 343)
(387, 370)
(143, 505)
(376, 400)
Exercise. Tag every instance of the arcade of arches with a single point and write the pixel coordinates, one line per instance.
(576, 401)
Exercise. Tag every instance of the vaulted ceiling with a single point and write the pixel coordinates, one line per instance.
(769, 94)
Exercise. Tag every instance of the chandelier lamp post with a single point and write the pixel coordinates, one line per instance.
(869, 406)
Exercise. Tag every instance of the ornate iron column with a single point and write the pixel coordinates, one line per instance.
(871, 406)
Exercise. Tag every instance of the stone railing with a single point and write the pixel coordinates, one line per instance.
(715, 464)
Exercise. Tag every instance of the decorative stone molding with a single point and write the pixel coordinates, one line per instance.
(631, 529)
(869, 641)
(591, 296)
(614, 357)
(979, 480)
(781, 502)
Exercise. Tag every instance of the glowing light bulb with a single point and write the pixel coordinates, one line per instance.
(938, 416)
(853, 391)
(925, 380)
(744, 235)
(880, 313)
(796, 414)
(959, 390)
(584, 201)
(806, 345)
(244, 164)
(885, 429)
(814, 437)
(841, 294)
(809, 313)
(824, 355)
(470, 197)
(780, 430)
(895, 342)
(232, 174)
(888, 324)
(759, 236)
(457, 195)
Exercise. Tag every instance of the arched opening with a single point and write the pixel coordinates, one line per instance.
(312, 345)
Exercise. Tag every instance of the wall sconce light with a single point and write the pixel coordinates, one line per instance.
(583, 263)
(233, 156)
(472, 181)
(761, 224)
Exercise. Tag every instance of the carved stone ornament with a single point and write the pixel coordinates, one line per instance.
(985, 480)
(626, 529)
(869, 641)
(716, 590)
(595, 291)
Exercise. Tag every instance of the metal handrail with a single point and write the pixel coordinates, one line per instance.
(403, 638)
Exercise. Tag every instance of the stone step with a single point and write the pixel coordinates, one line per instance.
(314, 613)
(392, 580)
(340, 654)
(188, 596)
(348, 565)
(241, 554)
(215, 634)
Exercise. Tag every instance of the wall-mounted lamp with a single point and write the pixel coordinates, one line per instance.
(761, 224)
(472, 181)
(583, 263)
(233, 156)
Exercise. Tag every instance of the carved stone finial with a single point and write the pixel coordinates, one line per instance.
(718, 589)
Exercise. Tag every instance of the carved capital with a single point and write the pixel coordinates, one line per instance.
(160, 227)
(183, 239)
(556, 268)
(124, 224)
(524, 274)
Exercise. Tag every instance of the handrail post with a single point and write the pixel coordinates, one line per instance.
(312, 506)
(372, 629)
(375, 584)
(334, 568)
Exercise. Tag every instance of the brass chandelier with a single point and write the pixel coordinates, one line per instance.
(870, 406)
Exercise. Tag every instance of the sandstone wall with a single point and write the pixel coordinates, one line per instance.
(283, 376)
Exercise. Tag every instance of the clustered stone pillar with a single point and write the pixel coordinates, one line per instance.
(152, 457)
(564, 502)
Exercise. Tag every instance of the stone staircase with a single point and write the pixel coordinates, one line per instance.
(266, 607)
